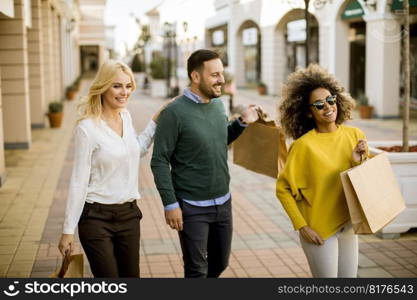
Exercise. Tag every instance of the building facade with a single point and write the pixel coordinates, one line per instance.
(40, 57)
(358, 41)
(92, 38)
(183, 20)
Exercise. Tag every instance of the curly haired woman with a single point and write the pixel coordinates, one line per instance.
(313, 111)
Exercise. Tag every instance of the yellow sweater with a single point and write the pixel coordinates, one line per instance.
(309, 187)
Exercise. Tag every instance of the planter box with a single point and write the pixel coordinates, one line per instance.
(365, 111)
(55, 119)
(404, 165)
(158, 88)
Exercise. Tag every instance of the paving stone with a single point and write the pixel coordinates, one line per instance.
(262, 244)
(373, 272)
(365, 262)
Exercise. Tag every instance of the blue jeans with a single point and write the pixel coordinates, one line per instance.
(206, 239)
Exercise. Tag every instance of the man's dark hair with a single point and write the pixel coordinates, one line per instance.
(197, 59)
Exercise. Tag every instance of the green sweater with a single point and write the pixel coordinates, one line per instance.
(189, 159)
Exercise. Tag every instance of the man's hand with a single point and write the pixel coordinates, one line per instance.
(66, 243)
(311, 236)
(250, 114)
(174, 218)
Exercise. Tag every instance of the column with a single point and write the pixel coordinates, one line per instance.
(2, 163)
(383, 44)
(47, 51)
(15, 79)
(36, 68)
(267, 59)
(57, 56)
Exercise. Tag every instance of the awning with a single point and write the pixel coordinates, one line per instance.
(398, 5)
(353, 10)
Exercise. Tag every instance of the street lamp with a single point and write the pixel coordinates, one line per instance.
(170, 36)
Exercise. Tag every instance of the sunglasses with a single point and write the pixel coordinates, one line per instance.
(319, 104)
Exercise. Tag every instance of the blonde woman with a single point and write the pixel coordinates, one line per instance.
(104, 183)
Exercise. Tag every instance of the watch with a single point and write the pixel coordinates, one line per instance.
(241, 121)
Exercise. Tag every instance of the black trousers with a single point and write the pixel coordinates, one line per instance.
(206, 239)
(110, 236)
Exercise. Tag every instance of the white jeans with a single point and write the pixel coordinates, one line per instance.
(337, 257)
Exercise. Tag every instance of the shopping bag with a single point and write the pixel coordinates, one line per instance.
(372, 194)
(261, 147)
(72, 267)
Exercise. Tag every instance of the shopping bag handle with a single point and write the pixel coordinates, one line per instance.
(264, 118)
(363, 158)
(65, 264)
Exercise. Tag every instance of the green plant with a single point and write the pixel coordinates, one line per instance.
(362, 99)
(77, 81)
(55, 107)
(158, 67)
(136, 64)
(71, 88)
(261, 84)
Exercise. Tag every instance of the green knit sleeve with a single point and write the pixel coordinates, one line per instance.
(166, 136)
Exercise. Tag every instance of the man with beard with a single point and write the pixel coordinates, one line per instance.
(189, 164)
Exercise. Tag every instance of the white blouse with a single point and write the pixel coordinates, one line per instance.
(106, 166)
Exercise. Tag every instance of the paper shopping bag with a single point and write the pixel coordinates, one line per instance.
(261, 148)
(372, 194)
(72, 267)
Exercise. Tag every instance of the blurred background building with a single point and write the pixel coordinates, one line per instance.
(359, 41)
(45, 45)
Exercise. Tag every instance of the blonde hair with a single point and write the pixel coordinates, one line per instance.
(91, 105)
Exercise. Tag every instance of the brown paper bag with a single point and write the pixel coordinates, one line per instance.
(261, 148)
(72, 267)
(372, 194)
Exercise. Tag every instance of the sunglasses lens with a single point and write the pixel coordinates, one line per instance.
(319, 106)
(331, 100)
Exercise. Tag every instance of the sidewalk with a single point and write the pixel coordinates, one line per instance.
(32, 204)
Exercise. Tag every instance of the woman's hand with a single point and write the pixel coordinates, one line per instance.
(360, 150)
(311, 236)
(66, 243)
(156, 116)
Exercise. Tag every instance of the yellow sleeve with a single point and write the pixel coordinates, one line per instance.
(289, 181)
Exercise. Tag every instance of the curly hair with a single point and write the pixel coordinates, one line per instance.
(296, 91)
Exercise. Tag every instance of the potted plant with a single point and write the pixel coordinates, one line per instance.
(262, 88)
(55, 114)
(404, 163)
(229, 89)
(365, 110)
(76, 83)
(70, 92)
(158, 68)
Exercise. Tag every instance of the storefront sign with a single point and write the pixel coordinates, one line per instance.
(353, 10)
(398, 5)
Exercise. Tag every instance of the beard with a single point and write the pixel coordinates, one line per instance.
(209, 91)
